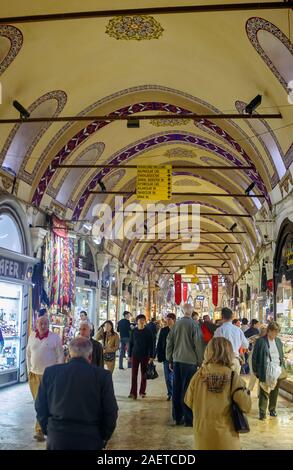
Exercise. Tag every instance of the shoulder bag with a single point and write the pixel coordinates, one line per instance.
(238, 417)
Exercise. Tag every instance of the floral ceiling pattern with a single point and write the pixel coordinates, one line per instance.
(134, 27)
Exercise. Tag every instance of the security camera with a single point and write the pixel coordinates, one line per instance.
(24, 114)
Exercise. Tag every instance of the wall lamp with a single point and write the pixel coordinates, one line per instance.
(233, 226)
(133, 123)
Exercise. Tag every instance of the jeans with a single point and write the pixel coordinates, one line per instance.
(124, 345)
(182, 375)
(168, 378)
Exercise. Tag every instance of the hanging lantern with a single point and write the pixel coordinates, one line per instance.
(191, 270)
(194, 280)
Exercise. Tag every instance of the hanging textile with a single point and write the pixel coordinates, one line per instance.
(178, 298)
(270, 285)
(263, 278)
(60, 266)
(185, 291)
(215, 284)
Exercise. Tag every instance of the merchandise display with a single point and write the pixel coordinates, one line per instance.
(10, 322)
(285, 320)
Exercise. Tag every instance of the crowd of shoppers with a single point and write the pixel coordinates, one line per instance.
(75, 402)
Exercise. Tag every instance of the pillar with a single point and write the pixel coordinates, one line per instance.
(102, 261)
(113, 267)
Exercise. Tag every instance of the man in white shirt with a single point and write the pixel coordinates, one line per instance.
(43, 349)
(234, 334)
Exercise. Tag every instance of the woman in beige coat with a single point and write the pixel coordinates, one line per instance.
(209, 397)
(110, 341)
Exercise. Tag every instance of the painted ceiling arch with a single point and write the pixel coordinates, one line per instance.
(274, 48)
(82, 135)
(24, 137)
(164, 138)
(11, 40)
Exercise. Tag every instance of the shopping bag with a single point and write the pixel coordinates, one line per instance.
(151, 372)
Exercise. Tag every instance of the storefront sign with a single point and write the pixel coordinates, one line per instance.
(12, 269)
(200, 298)
(90, 283)
(81, 274)
(154, 183)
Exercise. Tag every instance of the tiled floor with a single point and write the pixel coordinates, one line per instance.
(142, 424)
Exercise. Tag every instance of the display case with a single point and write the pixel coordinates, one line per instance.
(284, 312)
(10, 324)
(58, 322)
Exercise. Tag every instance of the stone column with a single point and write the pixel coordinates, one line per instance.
(38, 235)
(122, 276)
(113, 266)
(102, 261)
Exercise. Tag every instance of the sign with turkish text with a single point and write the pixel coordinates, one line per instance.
(154, 183)
(12, 269)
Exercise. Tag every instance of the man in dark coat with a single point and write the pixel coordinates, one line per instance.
(124, 330)
(97, 354)
(161, 353)
(76, 406)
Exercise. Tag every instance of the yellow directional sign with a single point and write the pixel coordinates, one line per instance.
(154, 183)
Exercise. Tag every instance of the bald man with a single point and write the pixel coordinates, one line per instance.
(97, 357)
(44, 349)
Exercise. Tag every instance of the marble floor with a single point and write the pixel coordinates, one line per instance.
(142, 424)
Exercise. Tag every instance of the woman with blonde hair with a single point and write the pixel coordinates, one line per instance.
(209, 395)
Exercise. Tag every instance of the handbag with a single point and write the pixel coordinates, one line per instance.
(109, 356)
(238, 417)
(151, 372)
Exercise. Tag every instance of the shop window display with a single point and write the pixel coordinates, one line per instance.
(285, 320)
(10, 323)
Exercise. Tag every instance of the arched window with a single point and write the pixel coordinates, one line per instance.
(273, 46)
(10, 235)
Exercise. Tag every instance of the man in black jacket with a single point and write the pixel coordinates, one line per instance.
(76, 406)
(141, 351)
(98, 353)
(161, 353)
(124, 329)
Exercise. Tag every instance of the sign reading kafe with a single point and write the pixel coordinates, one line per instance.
(12, 269)
(154, 183)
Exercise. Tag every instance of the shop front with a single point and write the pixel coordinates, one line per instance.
(283, 289)
(15, 281)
